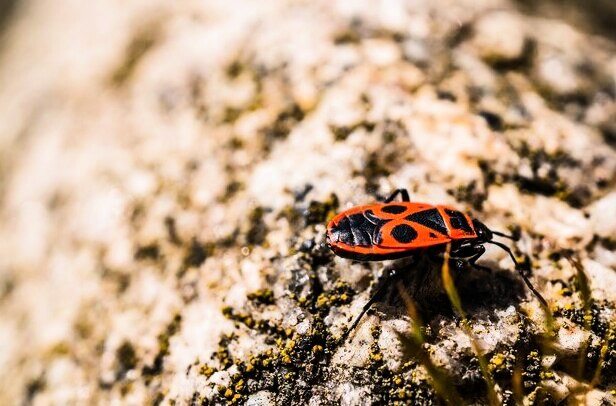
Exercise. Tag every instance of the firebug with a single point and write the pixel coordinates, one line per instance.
(391, 230)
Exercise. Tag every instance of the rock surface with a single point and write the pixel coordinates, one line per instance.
(167, 170)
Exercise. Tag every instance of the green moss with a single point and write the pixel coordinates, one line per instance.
(341, 133)
(502, 364)
(401, 387)
(197, 253)
(150, 251)
(158, 398)
(231, 114)
(304, 359)
(60, 349)
(33, 387)
(262, 296)
(340, 295)
(545, 178)
(126, 387)
(257, 230)
(163, 346)
(349, 36)
(471, 193)
(319, 212)
(206, 370)
(134, 54)
(593, 315)
(126, 356)
(235, 69)
(599, 356)
(263, 326)
(494, 121)
(222, 354)
(172, 230)
(602, 357)
(228, 241)
(273, 369)
(293, 215)
(376, 167)
(396, 151)
(531, 373)
(286, 120)
(235, 143)
(7, 286)
(523, 62)
(292, 357)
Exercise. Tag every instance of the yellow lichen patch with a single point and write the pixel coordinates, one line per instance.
(206, 370)
(376, 356)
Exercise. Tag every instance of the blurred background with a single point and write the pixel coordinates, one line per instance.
(159, 159)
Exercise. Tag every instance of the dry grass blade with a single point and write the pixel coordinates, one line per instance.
(586, 297)
(517, 382)
(454, 298)
(413, 346)
(609, 335)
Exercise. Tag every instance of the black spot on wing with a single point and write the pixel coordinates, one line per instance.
(404, 233)
(393, 209)
(430, 218)
(458, 221)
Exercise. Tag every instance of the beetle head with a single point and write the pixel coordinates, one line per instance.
(483, 232)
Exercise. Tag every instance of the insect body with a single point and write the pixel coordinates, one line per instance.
(394, 230)
(389, 230)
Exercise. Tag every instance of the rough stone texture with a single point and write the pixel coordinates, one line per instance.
(167, 170)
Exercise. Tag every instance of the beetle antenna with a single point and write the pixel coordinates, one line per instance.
(392, 276)
(504, 235)
(519, 269)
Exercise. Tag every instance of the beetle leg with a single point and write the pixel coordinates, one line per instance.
(472, 261)
(467, 254)
(392, 277)
(467, 251)
(521, 273)
(402, 192)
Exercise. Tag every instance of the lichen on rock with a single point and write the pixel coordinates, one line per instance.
(167, 172)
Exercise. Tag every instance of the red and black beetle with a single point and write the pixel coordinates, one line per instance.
(389, 230)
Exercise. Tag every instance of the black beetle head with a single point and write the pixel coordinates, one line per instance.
(483, 232)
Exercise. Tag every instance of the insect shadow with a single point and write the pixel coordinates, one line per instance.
(422, 280)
